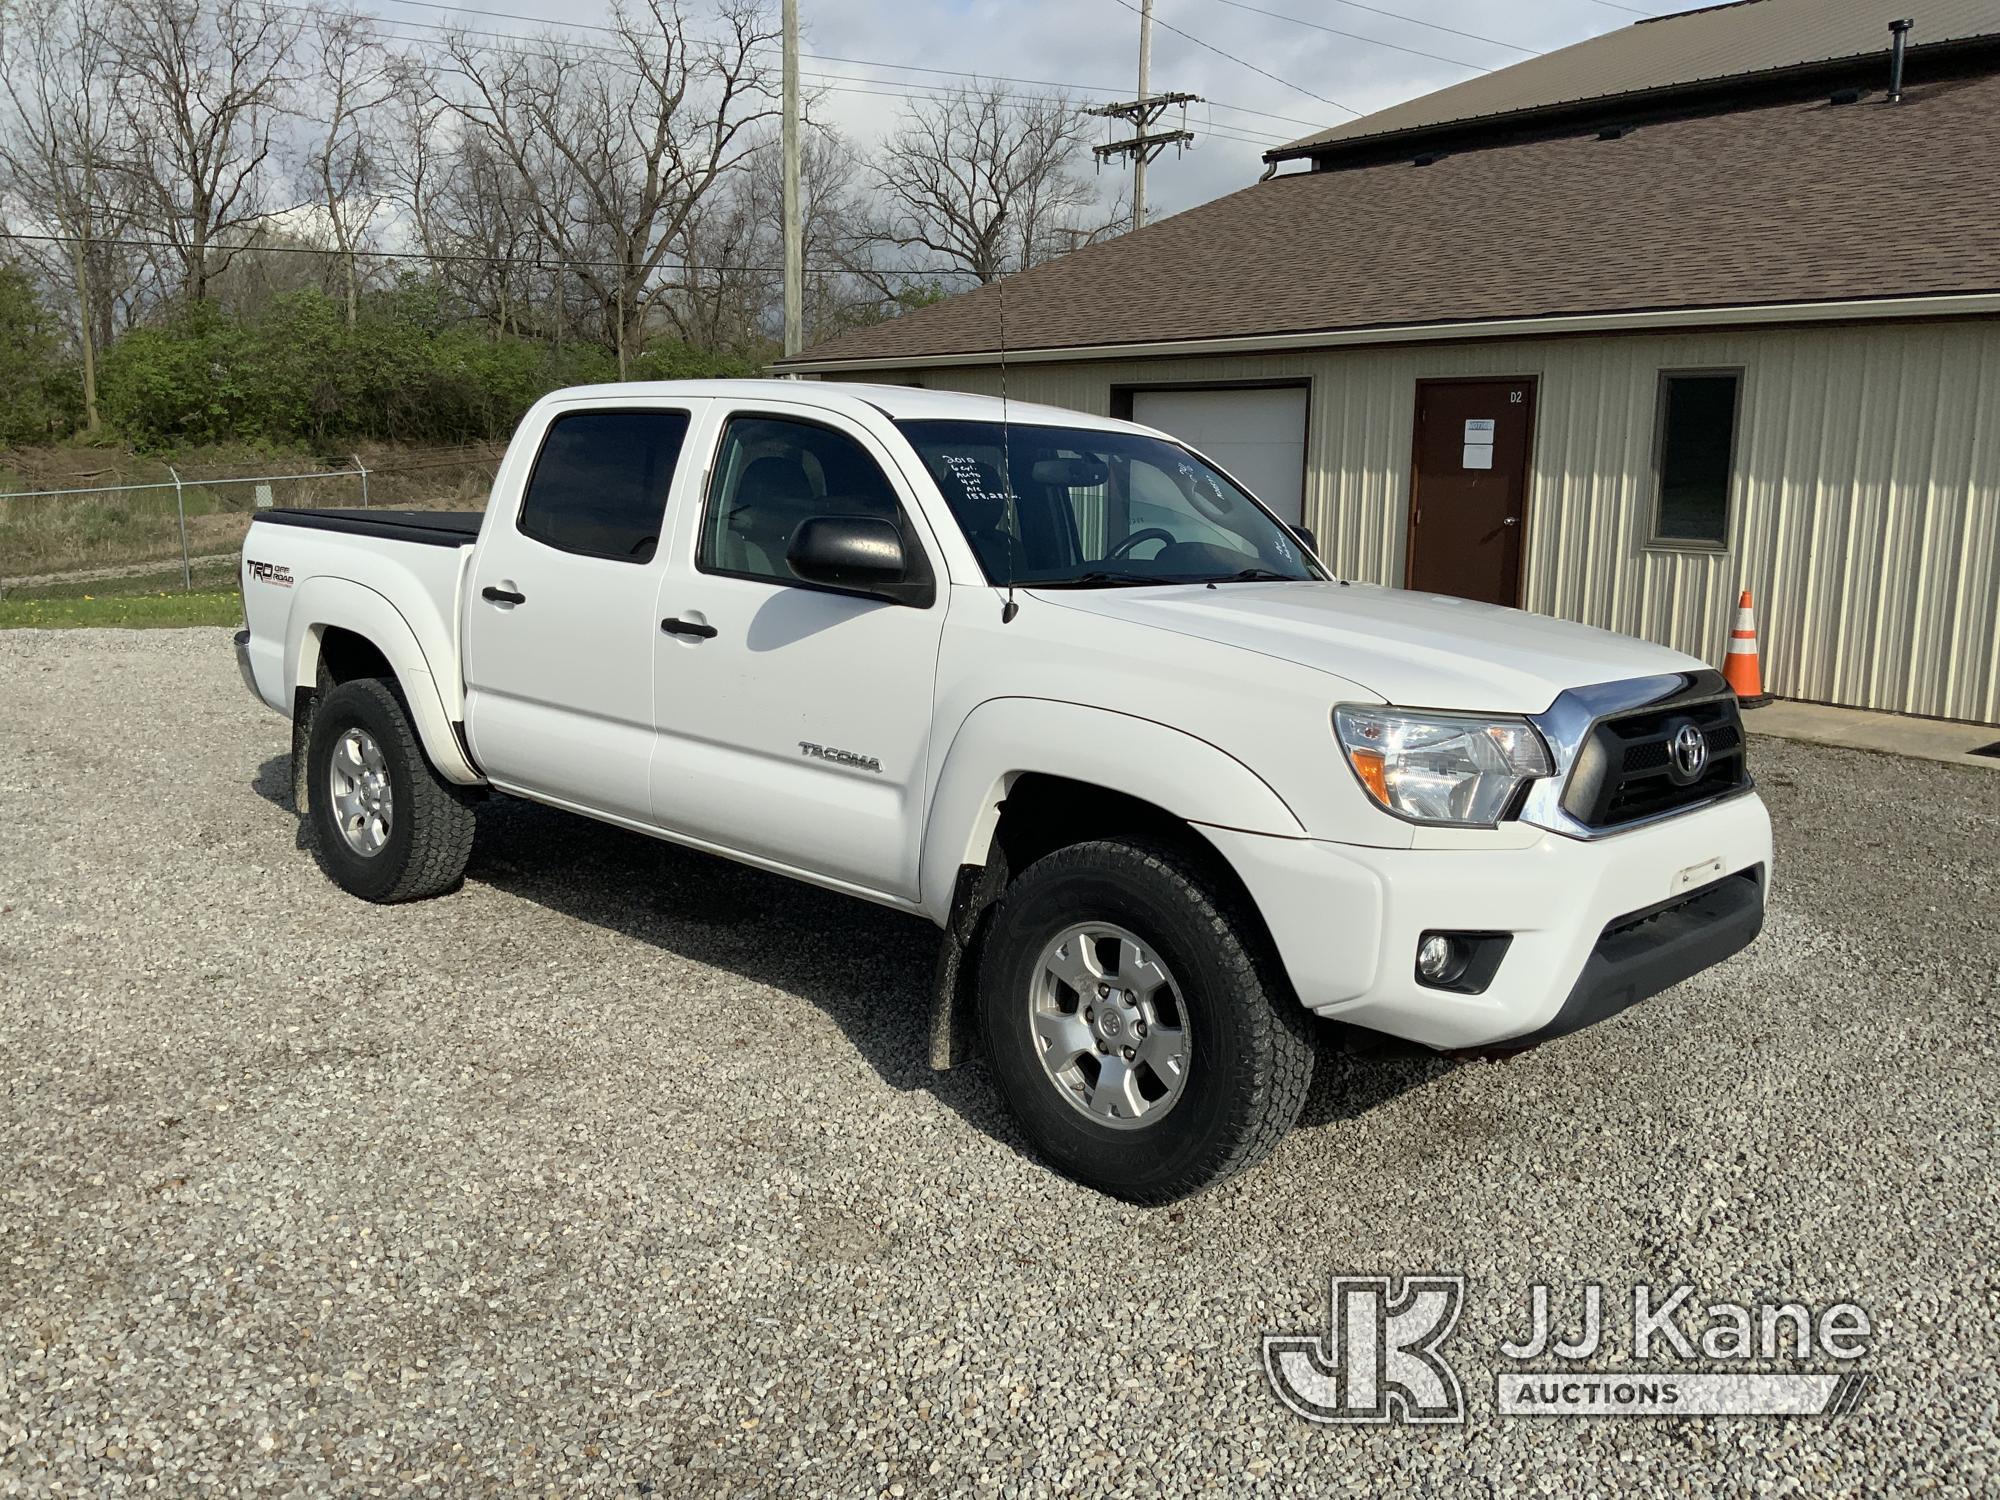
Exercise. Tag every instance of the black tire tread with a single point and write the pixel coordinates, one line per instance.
(441, 816)
(1281, 1052)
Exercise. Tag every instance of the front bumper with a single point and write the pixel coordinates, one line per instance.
(1596, 925)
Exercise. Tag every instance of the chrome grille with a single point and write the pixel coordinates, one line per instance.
(1625, 771)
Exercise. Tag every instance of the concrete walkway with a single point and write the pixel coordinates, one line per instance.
(1892, 734)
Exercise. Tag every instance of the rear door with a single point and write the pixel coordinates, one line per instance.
(1469, 487)
(794, 721)
(559, 618)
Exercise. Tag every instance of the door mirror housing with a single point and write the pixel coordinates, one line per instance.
(860, 555)
(1304, 534)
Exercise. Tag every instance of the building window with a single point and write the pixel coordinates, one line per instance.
(1697, 447)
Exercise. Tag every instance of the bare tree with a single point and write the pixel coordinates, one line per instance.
(410, 153)
(201, 89)
(985, 180)
(58, 133)
(735, 246)
(619, 149)
(353, 72)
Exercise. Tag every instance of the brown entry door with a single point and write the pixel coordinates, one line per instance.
(1469, 487)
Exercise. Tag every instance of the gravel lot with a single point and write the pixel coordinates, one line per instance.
(620, 1171)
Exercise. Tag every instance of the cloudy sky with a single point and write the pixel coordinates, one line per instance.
(1292, 66)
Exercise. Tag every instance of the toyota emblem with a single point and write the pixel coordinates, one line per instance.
(1687, 754)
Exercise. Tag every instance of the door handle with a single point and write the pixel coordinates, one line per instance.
(688, 627)
(1511, 521)
(502, 596)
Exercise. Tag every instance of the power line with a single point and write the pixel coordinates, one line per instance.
(1471, 36)
(1355, 36)
(837, 83)
(539, 261)
(858, 62)
(831, 83)
(1232, 57)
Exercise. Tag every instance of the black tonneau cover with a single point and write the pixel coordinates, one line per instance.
(431, 528)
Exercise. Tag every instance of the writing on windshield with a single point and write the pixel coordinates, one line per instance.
(1063, 506)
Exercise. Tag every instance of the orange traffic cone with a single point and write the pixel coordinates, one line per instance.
(1740, 667)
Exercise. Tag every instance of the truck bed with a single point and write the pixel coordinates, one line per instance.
(430, 528)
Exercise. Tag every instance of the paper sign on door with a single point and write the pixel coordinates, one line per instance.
(1479, 442)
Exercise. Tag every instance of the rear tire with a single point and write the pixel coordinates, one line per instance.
(1169, 962)
(381, 822)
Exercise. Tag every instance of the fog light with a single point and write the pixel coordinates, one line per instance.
(1439, 959)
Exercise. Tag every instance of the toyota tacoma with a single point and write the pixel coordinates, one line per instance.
(1168, 787)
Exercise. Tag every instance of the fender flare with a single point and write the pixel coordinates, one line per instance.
(325, 602)
(1006, 738)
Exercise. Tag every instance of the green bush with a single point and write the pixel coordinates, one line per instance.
(406, 373)
(41, 396)
(185, 381)
(675, 361)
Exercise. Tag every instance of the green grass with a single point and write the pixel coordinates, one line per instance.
(122, 612)
(209, 578)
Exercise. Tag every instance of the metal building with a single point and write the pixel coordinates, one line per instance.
(1689, 308)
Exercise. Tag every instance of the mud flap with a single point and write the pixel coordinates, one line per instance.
(955, 979)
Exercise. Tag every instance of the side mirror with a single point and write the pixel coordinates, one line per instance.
(1304, 534)
(859, 555)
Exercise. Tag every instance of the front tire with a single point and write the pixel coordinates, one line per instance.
(382, 823)
(1136, 1023)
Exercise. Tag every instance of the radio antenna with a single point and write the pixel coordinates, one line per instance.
(1010, 608)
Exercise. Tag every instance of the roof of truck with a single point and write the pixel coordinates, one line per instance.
(897, 402)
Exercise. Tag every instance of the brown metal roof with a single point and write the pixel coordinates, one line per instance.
(1746, 38)
(1793, 202)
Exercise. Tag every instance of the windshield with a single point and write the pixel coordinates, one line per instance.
(1100, 509)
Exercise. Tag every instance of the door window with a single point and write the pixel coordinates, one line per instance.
(772, 474)
(600, 482)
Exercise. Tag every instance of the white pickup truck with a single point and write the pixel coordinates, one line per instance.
(1055, 682)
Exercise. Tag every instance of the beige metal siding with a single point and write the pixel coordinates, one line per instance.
(1865, 513)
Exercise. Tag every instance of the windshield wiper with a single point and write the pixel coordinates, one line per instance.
(1096, 578)
(1258, 575)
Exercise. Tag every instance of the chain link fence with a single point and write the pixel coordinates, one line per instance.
(184, 532)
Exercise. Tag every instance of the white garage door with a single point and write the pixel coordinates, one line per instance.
(1259, 436)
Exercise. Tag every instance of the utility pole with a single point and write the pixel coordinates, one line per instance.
(1145, 88)
(794, 232)
(1145, 143)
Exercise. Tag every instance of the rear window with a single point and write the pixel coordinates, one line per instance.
(600, 483)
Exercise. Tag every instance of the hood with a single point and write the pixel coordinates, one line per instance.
(1417, 650)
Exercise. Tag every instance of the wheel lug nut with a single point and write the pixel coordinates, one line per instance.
(1104, 1047)
(1103, 990)
(1129, 1054)
(1139, 1028)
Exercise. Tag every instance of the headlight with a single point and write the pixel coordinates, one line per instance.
(1441, 768)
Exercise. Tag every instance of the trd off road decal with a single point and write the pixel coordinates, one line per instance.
(273, 573)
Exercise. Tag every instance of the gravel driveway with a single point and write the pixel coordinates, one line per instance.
(620, 1171)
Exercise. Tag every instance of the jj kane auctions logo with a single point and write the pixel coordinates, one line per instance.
(1381, 1358)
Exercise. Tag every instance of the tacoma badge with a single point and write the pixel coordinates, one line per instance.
(840, 757)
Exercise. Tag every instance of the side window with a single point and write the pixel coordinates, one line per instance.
(1697, 444)
(772, 473)
(599, 485)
